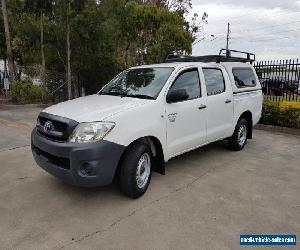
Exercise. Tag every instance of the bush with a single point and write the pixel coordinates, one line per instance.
(23, 91)
(284, 114)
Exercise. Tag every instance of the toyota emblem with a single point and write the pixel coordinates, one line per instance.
(48, 126)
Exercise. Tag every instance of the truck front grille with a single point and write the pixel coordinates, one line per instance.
(55, 127)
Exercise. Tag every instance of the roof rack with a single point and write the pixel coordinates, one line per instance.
(250, 57)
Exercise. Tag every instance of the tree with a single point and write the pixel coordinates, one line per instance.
(42, 46)
(69, 80)
(2, 39)
(89, 41)
(64, 12)
(9, 52)
(39, 8)
(179, 6)
(149, 32)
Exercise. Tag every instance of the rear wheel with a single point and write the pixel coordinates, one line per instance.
(136, 169)
(239, 138)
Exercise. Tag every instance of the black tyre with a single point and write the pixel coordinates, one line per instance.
(136, 169)
(239, 138)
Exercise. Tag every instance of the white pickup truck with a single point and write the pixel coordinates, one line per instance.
(145, 116)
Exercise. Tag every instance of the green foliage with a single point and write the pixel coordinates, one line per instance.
(26, 43)
(106, 36)
(35, 6)
(150, 33)
(284, 114)
(23, 91)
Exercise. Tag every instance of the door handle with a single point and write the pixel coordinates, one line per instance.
(202, 106)
(228, 101)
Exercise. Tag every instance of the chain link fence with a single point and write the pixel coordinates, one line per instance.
(53, 82)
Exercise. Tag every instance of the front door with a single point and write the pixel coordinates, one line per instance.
(186, 119)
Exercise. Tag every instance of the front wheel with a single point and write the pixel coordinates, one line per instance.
(136, 169)
(239, 138)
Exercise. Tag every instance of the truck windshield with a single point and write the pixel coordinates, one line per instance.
(145, 83)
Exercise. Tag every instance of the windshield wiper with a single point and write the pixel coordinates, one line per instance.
(141, 96)
(127, 95)
(112, 93)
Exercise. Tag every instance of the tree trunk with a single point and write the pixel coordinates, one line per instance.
(11, 65)
(42, 48)
(69, 55)
(126, 55)
(5, 74)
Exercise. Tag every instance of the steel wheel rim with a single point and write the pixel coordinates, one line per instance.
(242, 135)
(143, 170)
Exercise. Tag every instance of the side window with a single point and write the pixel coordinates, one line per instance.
(214, 81)
(244, 77)
(188, 80)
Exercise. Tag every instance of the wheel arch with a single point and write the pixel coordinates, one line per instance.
(247, 115)
(157, 152)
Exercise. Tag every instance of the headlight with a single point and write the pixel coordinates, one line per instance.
(91, 131)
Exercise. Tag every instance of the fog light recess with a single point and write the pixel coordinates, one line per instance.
(87, 169)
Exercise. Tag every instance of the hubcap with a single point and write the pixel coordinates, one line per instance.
(143, 170)
(242, 135)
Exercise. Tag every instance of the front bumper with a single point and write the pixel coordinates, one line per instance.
(87, 164)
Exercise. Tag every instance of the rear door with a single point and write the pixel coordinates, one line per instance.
(186, 120)
(219, 103)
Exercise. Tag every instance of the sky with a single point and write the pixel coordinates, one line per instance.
(268, 28)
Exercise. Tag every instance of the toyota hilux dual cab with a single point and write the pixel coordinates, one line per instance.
(145, 116)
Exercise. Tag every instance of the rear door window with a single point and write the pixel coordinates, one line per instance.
(244, 77)
(214, 81)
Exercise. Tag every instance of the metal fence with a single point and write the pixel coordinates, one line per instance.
(53, 82)
(280, 79)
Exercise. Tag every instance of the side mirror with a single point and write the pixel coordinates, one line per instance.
(177, 95)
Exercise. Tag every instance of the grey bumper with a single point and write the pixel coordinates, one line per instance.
(87, 165)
